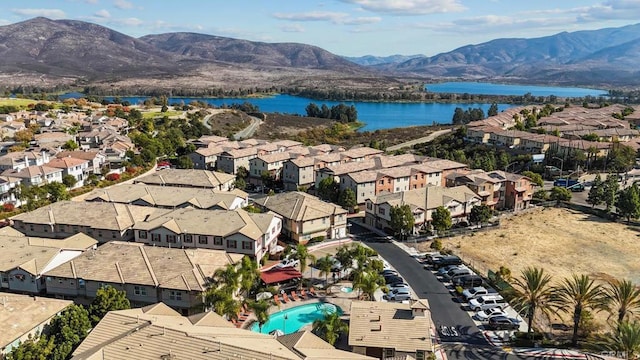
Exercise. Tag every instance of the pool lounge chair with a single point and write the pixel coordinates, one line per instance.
(303, 294)
(312, 291)
(276, 299)
(294, 296)
(285, 298)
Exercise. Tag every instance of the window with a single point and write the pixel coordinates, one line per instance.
(415, 177)
(188, 238)
(231, 244)
(140, 290)
(217, 240)
(381, 211)
(75, 229)
(113, 234)
(389, 353)
(175, 295)
(171, 239)
(202, 239)
(31, 227)
(381, 182)
(142, 234)
(155, 237)
(61, 227)
(324, 220)
(81, 283)
(420, 355)
(247, 245)
(369, 205)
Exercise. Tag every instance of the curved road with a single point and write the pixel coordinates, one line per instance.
(249, 130)
(421, 140)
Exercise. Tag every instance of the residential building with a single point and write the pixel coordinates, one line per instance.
(230, 160)
(445, 167)
(78, 168)
(359, 154)
(271, 164)
(147, 274)
(518, 191)
(205, 158)
(190, 178)
(298, 172)
(8, 186)
(458, 200)
(236, 231)
(96, 159)
(25, 316)
(490, 189)
(164, 334)
(23, 259)
(170, 197)
(102, 221)
(305, 217)
(22, 159)
(35, 175)
(390, 330)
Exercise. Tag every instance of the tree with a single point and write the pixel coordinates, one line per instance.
(330, 327)
(184, 162)
(480, 214)
(242, 173)
(57, 191)
(576, 294)
(34, 348)
(228, 277)
(325, 265)
(628, 203)
(441, 219)
(623, 299)
(107, 299)
(560, 194)
(23, 136)
(368, 283)
(493, 110)
(621, 157)
(70, 145)
(611, 187)
(328, 189)
(402, 220)
(261, 311)
(535, 177)
(249, 274)
(596, 193)
(533, 293)
(69, 329)
(69, 180)
(302, 254)
(625, 339)
(348, 199)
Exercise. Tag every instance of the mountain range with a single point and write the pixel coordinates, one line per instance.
(53, 51)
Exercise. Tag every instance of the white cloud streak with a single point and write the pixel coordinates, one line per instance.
(123, 4)
(409, 7)
(49, 13)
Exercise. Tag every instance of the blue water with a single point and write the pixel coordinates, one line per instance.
(479, 88)
(376, 115)
(295, 318)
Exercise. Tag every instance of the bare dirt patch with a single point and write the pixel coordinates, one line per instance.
(561, 241)
(228, 122)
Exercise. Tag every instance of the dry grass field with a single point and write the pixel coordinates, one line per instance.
(561, 241)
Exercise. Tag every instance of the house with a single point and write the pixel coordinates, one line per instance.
(445, 167)
(147, 274)
(22, 159)
(8, 186)
(52, 139)
(518, 191)
(236, 231)
(230, 160)
(170, 197)
(28, 315)
(204, 179)
(23, 259)
(102, 221)
(305, 217)
(389, 330)
(271, 164)
(36, 175)
(298, 172)
(458, 200)
(490, 189)
(96, 159)
(205, 158)
(72, 167)
(359, 154)
(165, 334)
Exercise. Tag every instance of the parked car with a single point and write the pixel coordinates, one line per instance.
(399, 285)
(454, 273)
(487, 314)
(446, 269)
(467, 281)
(393, 280)
(388, 272)
(288, 262)
(474, 292)
(446, 260)
(487, 302)
(502, 323)
(399, 295)
(430, 258)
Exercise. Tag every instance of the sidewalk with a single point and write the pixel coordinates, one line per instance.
(549, 353)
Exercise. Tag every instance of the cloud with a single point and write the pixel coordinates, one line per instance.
(337, 18)
(49, 13)
(128, 21)
(611, 10)
(409, 7)
(91, 1)
(123, 4)
(102, 14)
(292, 28)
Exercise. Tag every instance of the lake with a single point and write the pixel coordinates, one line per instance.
(479, 88)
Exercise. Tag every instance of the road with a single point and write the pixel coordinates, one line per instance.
(249, 130)
(421, 140)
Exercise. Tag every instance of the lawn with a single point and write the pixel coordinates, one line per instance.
(157, 114)
(17, 102)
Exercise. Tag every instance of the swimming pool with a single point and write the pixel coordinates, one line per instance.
(291, 320)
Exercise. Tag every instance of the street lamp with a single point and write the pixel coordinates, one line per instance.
(566, 180)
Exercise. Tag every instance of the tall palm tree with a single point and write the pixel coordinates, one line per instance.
(227, 277)
(623, 298)
(325, 265)
(576, 294)
(330, 327)
(303, 255)
(345, 256)
(222, 302)
(261, 310)
(533, 293)
(368, 283)
(248, 274)
(625, 339)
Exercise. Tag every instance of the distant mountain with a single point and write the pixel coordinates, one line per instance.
(583, 57)
(369, 60)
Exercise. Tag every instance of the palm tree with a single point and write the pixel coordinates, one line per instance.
(578, 293)
(302, 254)
(261, 310)
(344, 256)
(623, 298)
(330, 327)
(222, 302)
(228, 277)
(534, 293)
(325, 265)
(368, 283)
(248, 274)
(625, 339)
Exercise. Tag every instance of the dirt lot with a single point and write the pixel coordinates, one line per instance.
(561, 241)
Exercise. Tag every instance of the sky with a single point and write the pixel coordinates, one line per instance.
(344, 27)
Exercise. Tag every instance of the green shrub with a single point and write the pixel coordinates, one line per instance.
(436, 245)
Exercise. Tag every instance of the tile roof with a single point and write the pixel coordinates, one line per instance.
(134, 263)
(187, 177)
(66, 162)
(32, 171)
(299, 206)
(77, 154)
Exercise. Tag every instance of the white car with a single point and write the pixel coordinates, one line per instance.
(474, 292)
(485, 302)
(392, 287)
(485, 315)
(288, 263)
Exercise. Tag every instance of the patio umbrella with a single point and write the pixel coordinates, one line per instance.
(276, 332)
(264, 296)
